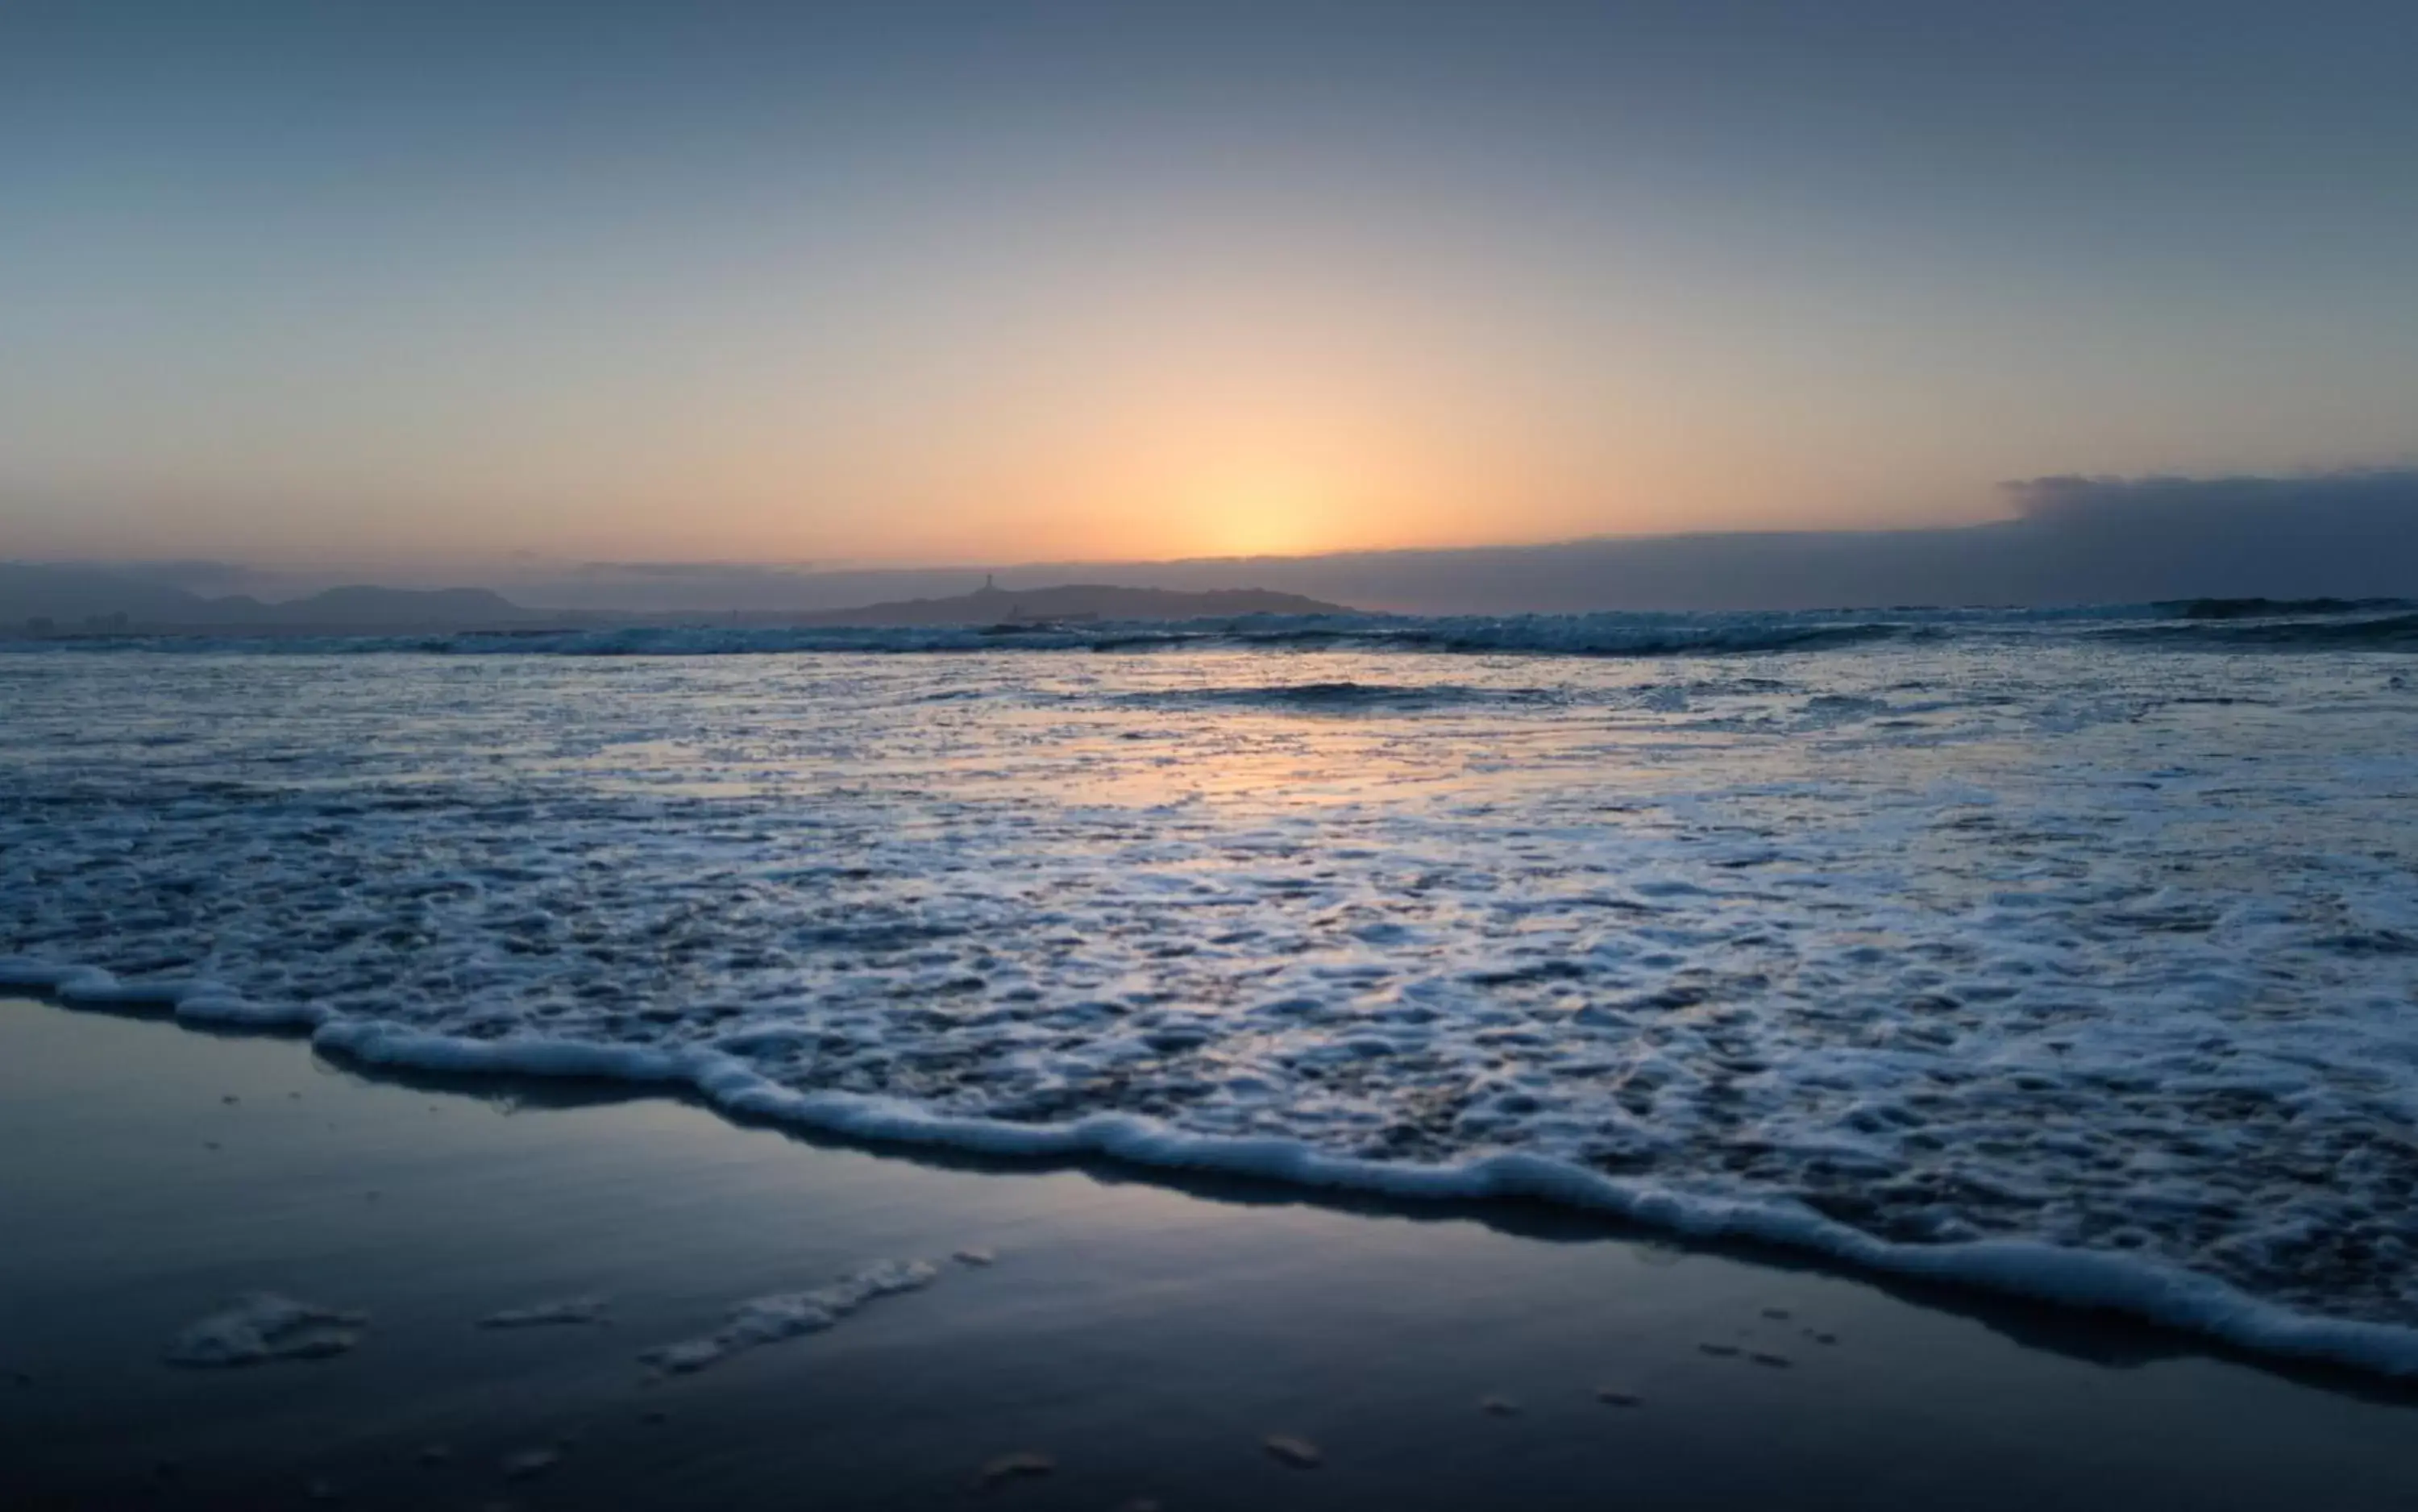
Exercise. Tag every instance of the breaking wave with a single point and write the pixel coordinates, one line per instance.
(2137, 1285)
(1344, 696)
(2084, 974)
(2277, 609)
(2389, 633)
(1590, 634)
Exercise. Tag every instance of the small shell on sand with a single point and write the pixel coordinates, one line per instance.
(1021, 1465)
(1619, 1398)
(1777, 1362)
(976, 1256)
(1498, 1407)
(1299, 1453)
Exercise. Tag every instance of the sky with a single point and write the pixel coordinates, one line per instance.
(922, 284)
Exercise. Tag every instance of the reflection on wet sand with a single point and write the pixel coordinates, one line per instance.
(1145, 1343)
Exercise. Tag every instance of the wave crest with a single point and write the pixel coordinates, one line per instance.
(2390, 632)
(1610, 635)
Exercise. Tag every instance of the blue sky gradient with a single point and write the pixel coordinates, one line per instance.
(948, 283)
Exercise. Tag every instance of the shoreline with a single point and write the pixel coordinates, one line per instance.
(2093, 1287)
(1146, 1342)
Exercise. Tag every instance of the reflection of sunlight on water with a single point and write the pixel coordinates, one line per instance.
(1298, 730)
(1794, 928)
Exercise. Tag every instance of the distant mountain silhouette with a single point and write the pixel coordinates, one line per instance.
(2350, 535)
(386, 606)
(992, 605)
(68, 600)
(69, 596)
(63, 600)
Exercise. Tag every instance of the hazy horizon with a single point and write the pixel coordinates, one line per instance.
(2067, 541)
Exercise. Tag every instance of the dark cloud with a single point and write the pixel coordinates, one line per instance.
(2348, 533)
(2384, 498)
(2073, 540)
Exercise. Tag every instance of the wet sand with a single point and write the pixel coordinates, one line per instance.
(1136, 1340)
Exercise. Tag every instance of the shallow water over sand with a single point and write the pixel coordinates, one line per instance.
(1147, 1340)
(2076, 945)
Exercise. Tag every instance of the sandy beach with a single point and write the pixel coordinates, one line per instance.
(1129, 1341)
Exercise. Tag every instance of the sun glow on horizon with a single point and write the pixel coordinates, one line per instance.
(1268, 511)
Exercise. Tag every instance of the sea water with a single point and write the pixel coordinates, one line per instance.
(2070, 954)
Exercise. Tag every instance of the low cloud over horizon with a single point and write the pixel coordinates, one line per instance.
(2350, 532)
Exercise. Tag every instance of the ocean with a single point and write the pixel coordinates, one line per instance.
(2070, 954)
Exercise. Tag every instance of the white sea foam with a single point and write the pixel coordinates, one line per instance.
(263, 1326)
(557, 1310)
(2077, 969)
(769, 1319)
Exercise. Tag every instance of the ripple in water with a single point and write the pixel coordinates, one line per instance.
(2054, 964)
